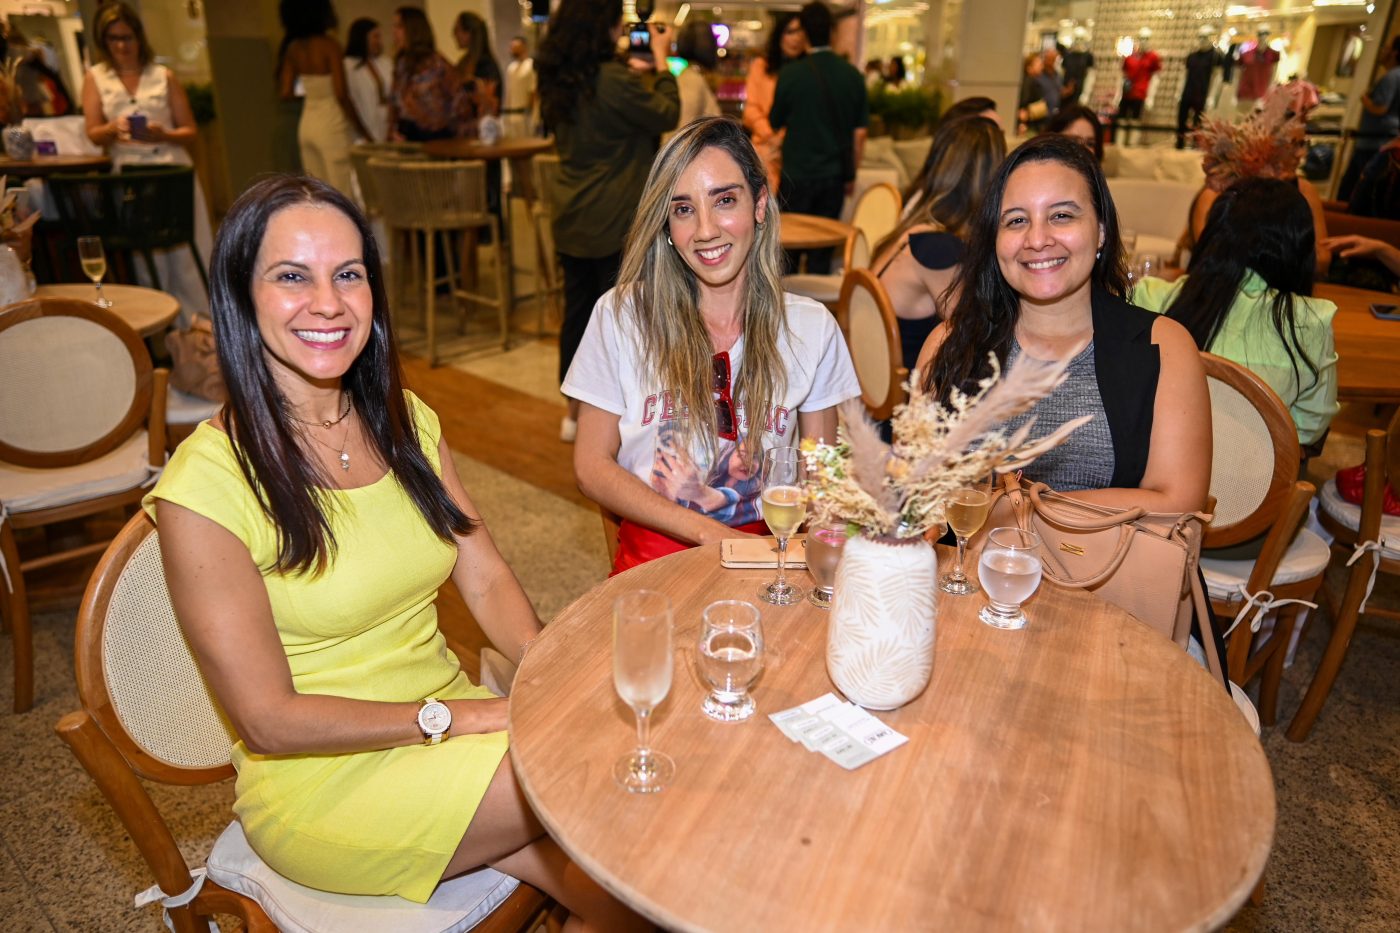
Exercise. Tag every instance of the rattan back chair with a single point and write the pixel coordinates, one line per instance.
(82, 431)
(147, 714)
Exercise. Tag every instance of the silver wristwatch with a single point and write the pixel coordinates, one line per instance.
(434, 720)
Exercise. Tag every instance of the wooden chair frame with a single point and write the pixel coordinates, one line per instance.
(147, 404)
(117, 764)
(1280, 514)
(1382, 468)
(882, 406)
(879, 189)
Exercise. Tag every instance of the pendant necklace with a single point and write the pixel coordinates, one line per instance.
(342, 455)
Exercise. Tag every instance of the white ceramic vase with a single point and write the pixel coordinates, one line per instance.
(879, 647)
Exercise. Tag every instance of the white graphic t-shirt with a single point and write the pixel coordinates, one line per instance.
(609, 373)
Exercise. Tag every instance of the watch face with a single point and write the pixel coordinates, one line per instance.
(435, 718)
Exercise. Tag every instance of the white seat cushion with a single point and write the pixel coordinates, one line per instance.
(1306, 557)
(823, 288)
(456, 905)
(28, 489)
(181, 408)
(1349, 514)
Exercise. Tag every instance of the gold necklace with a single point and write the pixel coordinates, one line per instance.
(341, 454)
(329, 424)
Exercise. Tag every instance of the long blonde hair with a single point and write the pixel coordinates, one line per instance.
(665, 296)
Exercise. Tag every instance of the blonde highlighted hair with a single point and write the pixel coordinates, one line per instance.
(664, 295)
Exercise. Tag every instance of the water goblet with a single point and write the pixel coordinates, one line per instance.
(824, 546)
(94, 260)
(642, 666)
(783, 510)
(731, 658)
(967, 510)
(1010, 572)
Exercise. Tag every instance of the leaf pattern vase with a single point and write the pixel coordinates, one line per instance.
(879, 648)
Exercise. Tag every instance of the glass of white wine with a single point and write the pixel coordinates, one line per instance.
(1010, 572)
(731, 658)
(642, 665)
(783, 509)
(966, 511)
(94, 261)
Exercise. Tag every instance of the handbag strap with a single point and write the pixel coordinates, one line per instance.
(1206, 622)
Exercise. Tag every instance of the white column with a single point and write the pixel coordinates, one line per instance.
(989, 53)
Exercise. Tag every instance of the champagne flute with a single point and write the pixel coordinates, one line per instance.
(1010, 572)
(783, 510)
(731, 658)
(642, 675)
(94, 262)
(824, 548)
(966, 511)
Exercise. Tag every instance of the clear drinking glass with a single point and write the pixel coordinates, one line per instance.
(94, 261)
(967, 510)
(1010, 573)
(783, 510)
(642, 674)
(1145, 264)
(824, 547)
(731, 658)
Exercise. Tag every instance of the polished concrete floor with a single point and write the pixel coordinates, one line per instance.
(66, 864)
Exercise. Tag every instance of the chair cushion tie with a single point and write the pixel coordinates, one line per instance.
(167, 901)
(1263, 602)
(1361, 548)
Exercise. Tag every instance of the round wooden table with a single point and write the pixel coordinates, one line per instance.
(808, 231)
(1081, 774)
(147, 311)
(40, 166)
(518, 149)
(1368, 349)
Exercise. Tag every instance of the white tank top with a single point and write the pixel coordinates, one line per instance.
(152, 100)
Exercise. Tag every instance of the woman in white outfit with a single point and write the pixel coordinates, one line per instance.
(329, 123)
(126, 83)
(369, 77)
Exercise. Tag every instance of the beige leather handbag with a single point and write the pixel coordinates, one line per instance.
(1145, 563)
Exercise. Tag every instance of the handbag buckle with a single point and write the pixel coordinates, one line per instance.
(1074, 549)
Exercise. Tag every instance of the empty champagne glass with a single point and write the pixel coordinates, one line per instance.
(94, 262)
(824, 548)
(642, 675)
(1010, 572)
(783, 510)
(967, 510)
(731, 658)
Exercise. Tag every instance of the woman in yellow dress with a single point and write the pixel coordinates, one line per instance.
(305, 532)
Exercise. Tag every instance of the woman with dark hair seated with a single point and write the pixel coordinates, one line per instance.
(1080, 124)
(919, 261)
(698, 362)
(1043, 276)
(1247, 298)
(305, 531)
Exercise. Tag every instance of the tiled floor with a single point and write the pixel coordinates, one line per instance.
(66, 865)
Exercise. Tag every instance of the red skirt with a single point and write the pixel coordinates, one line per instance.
(637, 544)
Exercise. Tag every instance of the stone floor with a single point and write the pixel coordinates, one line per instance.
(67, 865)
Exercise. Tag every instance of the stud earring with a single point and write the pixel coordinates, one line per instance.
(1099, 254)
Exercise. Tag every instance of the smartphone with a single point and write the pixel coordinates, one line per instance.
(136, 124)
(639, 40)
(1386, 312)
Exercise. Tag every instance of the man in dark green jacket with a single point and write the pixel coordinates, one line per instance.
(821, 101)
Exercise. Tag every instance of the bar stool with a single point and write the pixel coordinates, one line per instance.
(550, 286)
(439, 197)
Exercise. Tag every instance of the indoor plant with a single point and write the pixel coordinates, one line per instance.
(892, 497)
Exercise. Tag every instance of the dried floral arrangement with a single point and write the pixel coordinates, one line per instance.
(1269, 143)
(900, 490)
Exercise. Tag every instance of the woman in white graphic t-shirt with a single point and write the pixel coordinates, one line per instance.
(698, 361)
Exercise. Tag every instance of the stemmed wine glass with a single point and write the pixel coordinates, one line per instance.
(967, 510)
(731, 658)
(94, 262)
(1010, 572)
(783, 510)
(642, 674)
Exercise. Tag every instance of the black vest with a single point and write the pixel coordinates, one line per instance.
(1127, 365)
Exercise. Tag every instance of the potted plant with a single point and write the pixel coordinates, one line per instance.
(892, 498)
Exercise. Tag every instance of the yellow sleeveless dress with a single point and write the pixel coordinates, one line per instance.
(382, 822)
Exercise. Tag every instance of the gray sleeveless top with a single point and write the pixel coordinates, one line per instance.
(1085, 460)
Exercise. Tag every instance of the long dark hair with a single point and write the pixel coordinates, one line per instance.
(478, 48)
(774, 55)
(419, 43)
(303, 19)
(1067, 116)
(357, 41)
(961, 160)
(290, 487)
(578, 42)
(984, 319)
(1259, 224)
